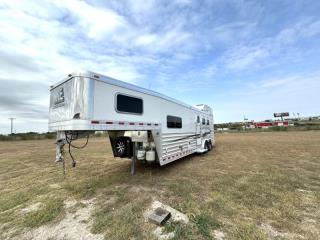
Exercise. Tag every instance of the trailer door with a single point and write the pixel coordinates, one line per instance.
(203, 129)
(198, 130)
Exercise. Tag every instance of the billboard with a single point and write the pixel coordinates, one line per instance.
(283, 114)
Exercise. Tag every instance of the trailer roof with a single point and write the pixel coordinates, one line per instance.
(115, 82)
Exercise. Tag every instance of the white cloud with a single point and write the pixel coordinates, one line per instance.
(245, 57)
(99, 23)
(166, 42)
(293, 93)
(146, 40)
(306, 28)
(172, 46)
(259, 53)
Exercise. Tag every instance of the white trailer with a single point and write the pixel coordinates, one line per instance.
(142, 124)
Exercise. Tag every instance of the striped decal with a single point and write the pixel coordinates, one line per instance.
(178, 155)
(124, 123)
(177, 145)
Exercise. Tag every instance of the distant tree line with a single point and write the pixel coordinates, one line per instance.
(27, 136)
(295, 126)
(38, 136)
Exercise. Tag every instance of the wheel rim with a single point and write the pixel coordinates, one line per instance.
(120, 147)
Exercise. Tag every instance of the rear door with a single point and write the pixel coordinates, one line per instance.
(203, 127)
(198, 130)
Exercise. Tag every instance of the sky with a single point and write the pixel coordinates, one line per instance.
(243, 58)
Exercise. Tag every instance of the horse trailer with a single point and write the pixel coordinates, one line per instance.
(142, 125)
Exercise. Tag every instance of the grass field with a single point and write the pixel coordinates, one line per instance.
(251, 186)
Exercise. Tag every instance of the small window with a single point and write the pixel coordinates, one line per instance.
(174, 122)
(128, 104)
(208, 122)
(198, 119)
(203, 121)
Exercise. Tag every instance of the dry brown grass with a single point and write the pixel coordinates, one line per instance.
(252, 186)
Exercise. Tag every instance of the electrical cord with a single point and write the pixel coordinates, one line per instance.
(69, 141)
(72, 138)
(73, 161)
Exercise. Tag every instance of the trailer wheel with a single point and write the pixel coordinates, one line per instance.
(206, 146)
(122, 147)
(210, 146)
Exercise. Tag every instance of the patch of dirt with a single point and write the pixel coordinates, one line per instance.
(163, 236)
(139, 189)
(218, 235)
(271, 232)
(176, 216)
(75, 226)
(55, 185)
(32, 208)
(310, 212)
(274, 234)
(69, 203)
(303, 190)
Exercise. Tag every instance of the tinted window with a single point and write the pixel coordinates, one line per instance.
(203, 121)
(208, 123)
(198, 119)
(129, 104)
(174, 122)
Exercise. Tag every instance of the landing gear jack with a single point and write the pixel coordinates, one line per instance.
(133, 166)
(60, 147)
(61, 141)
(134, 160)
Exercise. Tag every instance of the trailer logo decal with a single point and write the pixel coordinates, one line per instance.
(60, 97)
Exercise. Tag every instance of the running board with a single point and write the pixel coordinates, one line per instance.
(201, 150)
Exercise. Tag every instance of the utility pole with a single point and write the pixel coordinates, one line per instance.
(11, 119)
(245, 119)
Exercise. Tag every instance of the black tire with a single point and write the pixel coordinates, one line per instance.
(206, 146)
(210, 146)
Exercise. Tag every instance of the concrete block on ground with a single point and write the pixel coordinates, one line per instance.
(159, 216)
